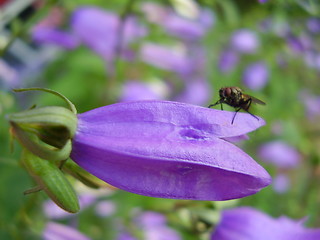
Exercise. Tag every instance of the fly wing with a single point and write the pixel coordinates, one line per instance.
(258, 101)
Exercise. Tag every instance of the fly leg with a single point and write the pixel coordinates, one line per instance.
(234, 116)
(218, 102)
(247, 109)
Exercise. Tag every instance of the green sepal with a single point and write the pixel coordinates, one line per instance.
(51, 179)
(41, 149)
(53, 125)
(83, 176)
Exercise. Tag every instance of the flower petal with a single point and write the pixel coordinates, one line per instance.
(166, 149)
(160, 119)
(247, 223)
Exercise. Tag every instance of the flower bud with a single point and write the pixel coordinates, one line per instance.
(51, 179)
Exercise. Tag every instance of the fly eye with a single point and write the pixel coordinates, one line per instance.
(228, 91)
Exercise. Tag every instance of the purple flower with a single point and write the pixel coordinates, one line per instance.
(228, 60)
(99, 30)
(55, 231)
(189, 29)
(177, 25)
(166, 58)
(154, 226)
(312, 59)
(263, 1)
(168, 150)
(136, 91)
(105, 208)
(299, 44)
(280, 154)
(281, 183)
(247, 223)
(311, 103)
(196, 92)
(53, 36)
(256, 76)
(244, 41)
(313, 25)
(47, 32)
(125, 236)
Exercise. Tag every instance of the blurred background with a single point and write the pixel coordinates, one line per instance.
(102, 52)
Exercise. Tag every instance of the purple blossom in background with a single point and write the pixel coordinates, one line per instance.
(56, 231)
(312, 59)
(99, 30)
(263, 1)
(47, 31)
(280, 154)
(155, 13)
(311, 103)
(189, 29)
(55, 37)
(102, 38)
(125, 236)
(197, 91)
(256, 76)
(313, 25)
(105, 208)
(244, 41)
(179, 26)
(166, 58)
(154, 227)
(168, 150)
(247, 223)
(228, 60)
(277, 127)
(136, 91)
(281, 183)
(299, 44)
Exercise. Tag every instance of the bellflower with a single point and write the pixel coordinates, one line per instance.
(311, 103)
(136, 90)
(103, 37)
(256, 76)
(47, 31)
(299, 44)
(54, 231)
(244, 41)
(189, 29)
(105, 208)
(228, 60)
(168, 150)
(313, 25)
(280, 154)
(312, 59)
(154, 227)
(281, 183)
(247, 223)
(56, 37)
(166, 58)
(177, 25)
(196, 91)
(153, 148)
